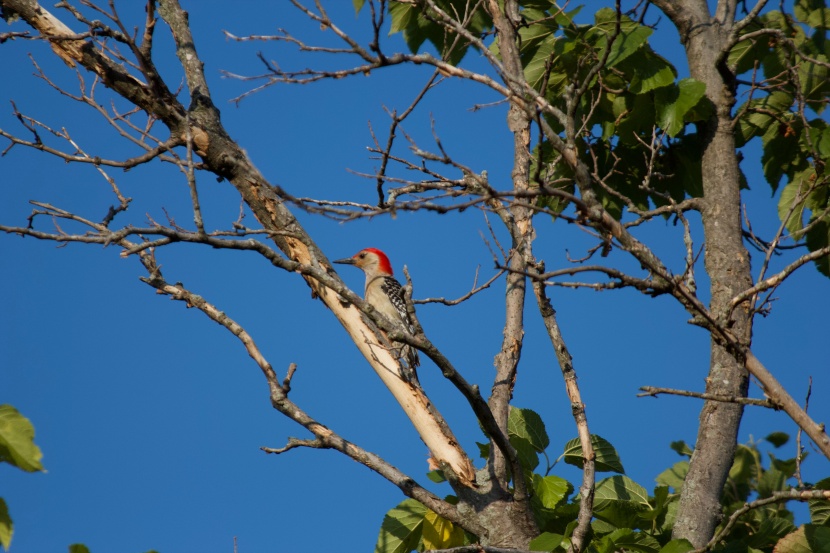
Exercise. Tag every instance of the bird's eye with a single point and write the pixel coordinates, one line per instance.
(361, 255)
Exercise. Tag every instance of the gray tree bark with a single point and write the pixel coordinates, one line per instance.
(706, 37)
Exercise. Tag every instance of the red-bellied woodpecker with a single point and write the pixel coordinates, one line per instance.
(386, 295)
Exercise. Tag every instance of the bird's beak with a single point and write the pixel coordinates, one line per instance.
(346, 261)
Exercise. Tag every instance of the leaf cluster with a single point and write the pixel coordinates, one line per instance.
(623, 94)
(787, 58)
(626, 517)
(639, 125)
(749, 521)
(422, 23)
(17, 448)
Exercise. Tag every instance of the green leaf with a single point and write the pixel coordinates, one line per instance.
(419, 25)
(659, 504)
(673, 477)
(401, 529)
(358, 5)
(815, 82)
(78, 548)
(551, 490)
(674, 102)
(816, 136)
(745, 53)
(437, 476)
(783, 153)
(527, 453)
(546, 541)
(682, 448)
(537, 45)
(638, 117)
(820, 512)
(631, 35)
(778, 439)
(626, 539)
(648, 71)
(621, 488)
(671, 515)
(746, 464)
(402, 16)
(812, 12)
(792, 203)
(677, 546)
(772, 480)
(758, 115)
(606, 460)
(820, 508)
(6, 526)
(440, 533)
(17, 445)
(527, 424)
(622, 503)
(681, 163)
(601, 527)
(564, 18)
(787, 466)
(661, 497)
(769, 531)
(818, 237)
(606, 543)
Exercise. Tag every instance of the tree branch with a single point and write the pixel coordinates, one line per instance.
(586, 490)
(654, 392)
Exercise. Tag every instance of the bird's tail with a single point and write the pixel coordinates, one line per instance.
(408, 369)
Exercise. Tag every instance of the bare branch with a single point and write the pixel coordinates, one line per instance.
(653, 391)
(775, 280)
(586, 490)
(397, 120)
(776, 392)
(324, 437)
(473, 291)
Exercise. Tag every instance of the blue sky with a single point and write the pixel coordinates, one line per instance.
(150, 416)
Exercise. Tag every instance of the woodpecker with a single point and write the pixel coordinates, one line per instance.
(385, 294)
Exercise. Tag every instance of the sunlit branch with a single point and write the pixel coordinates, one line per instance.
(653, 391)
(324, 436)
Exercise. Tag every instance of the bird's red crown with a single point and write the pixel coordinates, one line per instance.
(383, 261)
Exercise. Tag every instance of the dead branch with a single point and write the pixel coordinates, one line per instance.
(777, 279)
(652, 391)
(565, 360)
(397, 120)
(324, 437)
(473, 291)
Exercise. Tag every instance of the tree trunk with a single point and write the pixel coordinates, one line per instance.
(727, 264)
